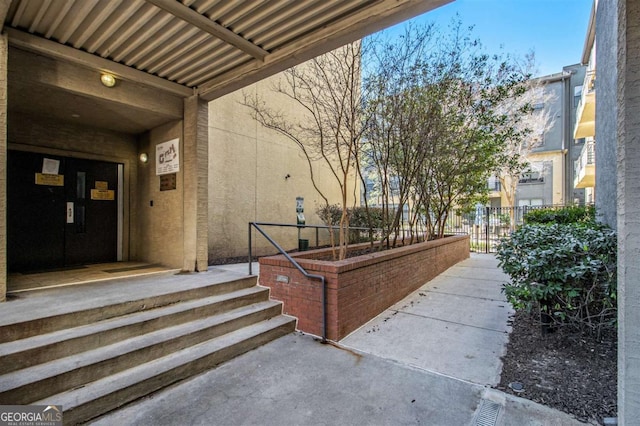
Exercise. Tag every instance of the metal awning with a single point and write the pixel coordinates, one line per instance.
(210, 47)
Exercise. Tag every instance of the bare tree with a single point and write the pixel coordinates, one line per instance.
(529, 119)
(437, 124)
(327, 90)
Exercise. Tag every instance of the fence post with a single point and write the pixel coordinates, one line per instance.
(486, 248)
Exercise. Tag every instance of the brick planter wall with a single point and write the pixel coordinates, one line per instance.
(358, 288)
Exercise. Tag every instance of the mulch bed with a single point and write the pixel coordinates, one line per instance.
(565, 370)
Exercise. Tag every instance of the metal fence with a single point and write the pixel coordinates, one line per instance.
(487, 225)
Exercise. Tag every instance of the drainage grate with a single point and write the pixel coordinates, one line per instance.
(488, 414)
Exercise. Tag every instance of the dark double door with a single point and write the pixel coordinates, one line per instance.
(61, 211)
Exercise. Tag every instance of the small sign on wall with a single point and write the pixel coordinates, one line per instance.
(49, 175)
(102, 191)
(103, 194)
(168, 182)
(168, 157)
(50, 166)
(49, 180)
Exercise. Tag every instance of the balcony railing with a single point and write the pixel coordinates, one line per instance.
(588, 87)
(587, 155)
(584, 166)
(585, 112)
(589, 84)
(531, 179)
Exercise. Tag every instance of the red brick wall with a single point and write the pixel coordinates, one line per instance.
(358, 288)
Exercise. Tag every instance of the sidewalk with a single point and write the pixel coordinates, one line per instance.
(426, 360)
(456, 325)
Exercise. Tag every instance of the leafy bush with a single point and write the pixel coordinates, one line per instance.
(566, 271)
(575, 214)
(330, 214)
(358, 218)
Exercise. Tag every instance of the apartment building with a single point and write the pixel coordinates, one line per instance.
(549, 179)
(585, 125)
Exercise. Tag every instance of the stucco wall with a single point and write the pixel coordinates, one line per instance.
(606, 112)
(559, 149)
(628, 207)
(160, 219)
(30, 132)
(553, 135)
(248, 168)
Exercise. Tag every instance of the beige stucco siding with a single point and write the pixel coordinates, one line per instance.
(159, 230)
(556, 158)
(249, 165)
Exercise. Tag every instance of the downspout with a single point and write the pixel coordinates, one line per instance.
(566, 137)
(566, 116)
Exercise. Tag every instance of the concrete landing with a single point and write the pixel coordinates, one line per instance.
(65, 299)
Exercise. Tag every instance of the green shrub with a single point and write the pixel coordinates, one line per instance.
(358, 218)
(330, 215)
(575, 214)
(565, 271)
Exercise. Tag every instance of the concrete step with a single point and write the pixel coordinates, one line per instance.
(101, 396)
(40, 323)
(60, 375)
(44, 348)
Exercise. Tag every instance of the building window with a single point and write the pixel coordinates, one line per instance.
(494, 184)
(532, 176)
(577, 94)
(532, 202)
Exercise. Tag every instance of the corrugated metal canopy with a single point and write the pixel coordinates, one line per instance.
(210, 46)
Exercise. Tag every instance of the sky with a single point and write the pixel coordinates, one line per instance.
(554, 29)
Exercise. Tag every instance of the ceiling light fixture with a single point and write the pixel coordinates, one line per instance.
(108, 80)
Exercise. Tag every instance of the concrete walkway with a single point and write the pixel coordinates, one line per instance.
(456, 324)
(427, 361)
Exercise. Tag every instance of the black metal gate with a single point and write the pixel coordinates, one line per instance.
(487, 225)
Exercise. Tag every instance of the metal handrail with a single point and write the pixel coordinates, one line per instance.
(298, 267)
(290, 225)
